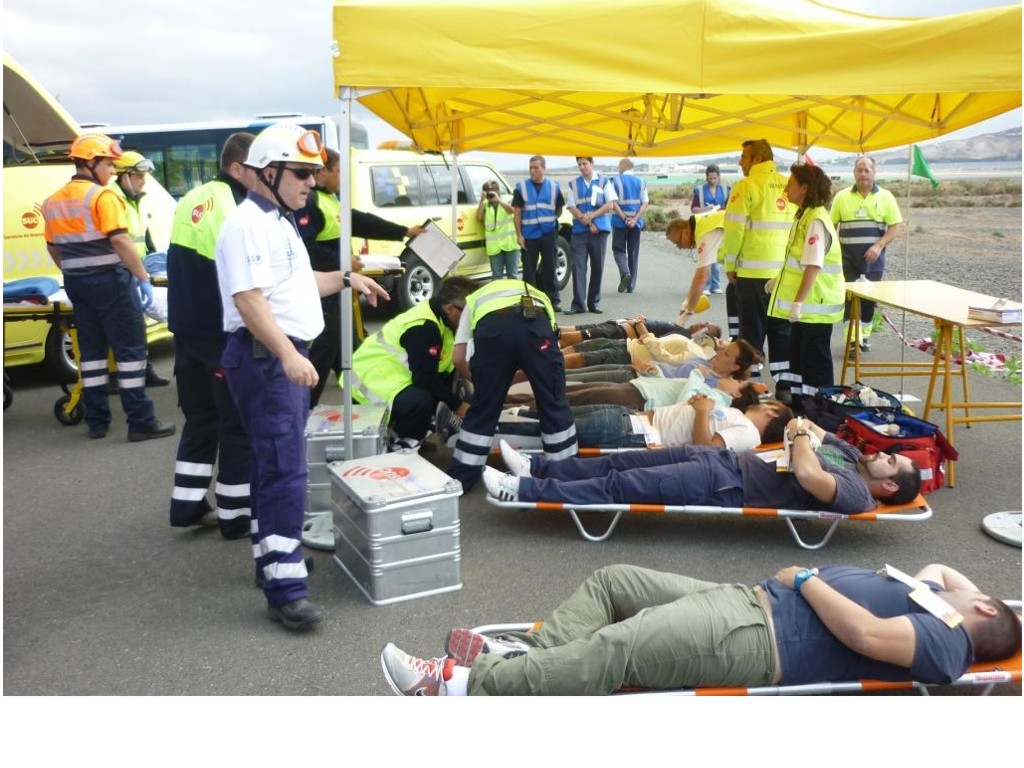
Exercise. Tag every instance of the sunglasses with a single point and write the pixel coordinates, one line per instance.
(301, 173)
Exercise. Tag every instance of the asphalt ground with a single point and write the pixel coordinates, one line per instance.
(103, 598)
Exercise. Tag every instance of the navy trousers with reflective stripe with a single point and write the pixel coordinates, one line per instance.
(213, 432)
(108, 314)
(274, 412)
(504, 342)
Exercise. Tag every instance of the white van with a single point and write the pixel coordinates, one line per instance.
(37, 135)
(408, 188)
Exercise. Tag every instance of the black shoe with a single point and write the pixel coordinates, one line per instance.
(298, 614)
(624, 283)
(97, 433)
(151, 433)
(154, 379)
(595, 311)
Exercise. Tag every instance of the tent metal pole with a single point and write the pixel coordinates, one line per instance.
(345, 256)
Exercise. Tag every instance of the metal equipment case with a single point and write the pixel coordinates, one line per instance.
(396, 526)
(325, 442)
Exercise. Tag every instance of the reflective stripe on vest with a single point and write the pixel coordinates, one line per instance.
(584, 194)
(380, 367)
(72, 219)
(499, 294)
(630, 190)
(826, 300)
(499, 230)
(538, 215)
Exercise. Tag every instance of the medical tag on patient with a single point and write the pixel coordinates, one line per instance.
(641, 425)
(924, 597)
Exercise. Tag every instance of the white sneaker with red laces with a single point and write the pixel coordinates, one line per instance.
(409, 676)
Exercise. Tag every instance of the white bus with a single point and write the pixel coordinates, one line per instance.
(186, 154)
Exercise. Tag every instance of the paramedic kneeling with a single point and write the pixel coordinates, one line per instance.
(825, 473)
(633, 627)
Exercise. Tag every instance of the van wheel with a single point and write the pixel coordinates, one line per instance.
(562, 263)
(417, 285)
(60, 359)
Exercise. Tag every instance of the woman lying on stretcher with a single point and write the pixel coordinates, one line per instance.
(726, 370)
(702, 416)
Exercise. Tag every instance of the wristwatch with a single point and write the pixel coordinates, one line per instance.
(801, 576)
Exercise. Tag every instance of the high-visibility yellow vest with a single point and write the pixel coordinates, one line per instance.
(330, 207)
(132, 214)
(380, 367)
(708, 222)
(757, 223)
(499, 230)
(825, 301)
(500, 294)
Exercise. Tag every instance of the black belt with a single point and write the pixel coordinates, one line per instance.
(259, 347)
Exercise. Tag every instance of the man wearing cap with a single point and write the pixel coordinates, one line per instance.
(87, 237)
(270, 296)
(132, 170)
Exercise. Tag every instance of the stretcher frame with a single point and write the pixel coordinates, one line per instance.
(915, 511)
(986, 675)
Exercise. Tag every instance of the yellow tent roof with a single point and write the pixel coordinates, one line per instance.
(671, 77)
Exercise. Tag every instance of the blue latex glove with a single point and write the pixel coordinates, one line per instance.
(146, 293)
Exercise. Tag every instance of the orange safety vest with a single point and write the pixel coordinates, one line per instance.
(80, 216)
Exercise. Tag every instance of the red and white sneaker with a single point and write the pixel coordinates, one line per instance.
(464, 645)
(409, 676)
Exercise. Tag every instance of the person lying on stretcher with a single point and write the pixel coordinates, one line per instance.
(628, 328)
(825, 473)
(630, 627)
(646, 348)
(703, 416)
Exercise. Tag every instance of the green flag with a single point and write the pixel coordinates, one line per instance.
(920, 167)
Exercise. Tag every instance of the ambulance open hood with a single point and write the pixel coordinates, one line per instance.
(34, 123)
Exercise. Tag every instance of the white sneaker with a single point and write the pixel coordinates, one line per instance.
(409, 676)
(501, 486)
(518, 463)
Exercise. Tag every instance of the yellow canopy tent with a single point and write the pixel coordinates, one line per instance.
(671, 77)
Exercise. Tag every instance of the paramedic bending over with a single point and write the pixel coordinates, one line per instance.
(633, 627)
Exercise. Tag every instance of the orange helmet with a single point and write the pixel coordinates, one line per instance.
(92, 145)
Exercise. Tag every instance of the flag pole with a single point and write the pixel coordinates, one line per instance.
(906, 273)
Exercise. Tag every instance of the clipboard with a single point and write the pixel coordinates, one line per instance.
(436, 250)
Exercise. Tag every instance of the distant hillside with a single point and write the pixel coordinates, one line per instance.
(1001, 146)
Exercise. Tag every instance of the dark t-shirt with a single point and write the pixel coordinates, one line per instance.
(763, 486)
(809, 653)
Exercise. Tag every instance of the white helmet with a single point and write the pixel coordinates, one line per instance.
(284, 142)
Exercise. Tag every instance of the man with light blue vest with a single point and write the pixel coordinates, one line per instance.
(538, 203)
(591, 200)
(628, 223)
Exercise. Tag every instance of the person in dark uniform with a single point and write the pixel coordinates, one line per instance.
(510, 326)
(212, 433)
(320, 228)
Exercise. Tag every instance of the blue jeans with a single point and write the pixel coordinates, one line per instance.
(505, 264)
(604, 426)
(715, 278)
(686, 474)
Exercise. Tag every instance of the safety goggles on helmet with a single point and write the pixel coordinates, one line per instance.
(309, 144)
(286, 142)
(133, 162)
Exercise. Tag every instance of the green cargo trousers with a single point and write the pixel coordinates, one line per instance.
(633, 627)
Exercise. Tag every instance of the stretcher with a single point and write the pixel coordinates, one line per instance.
(69, 408)
(986, 675)
(916, 510)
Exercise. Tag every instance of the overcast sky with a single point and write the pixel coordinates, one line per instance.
(156, 61)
